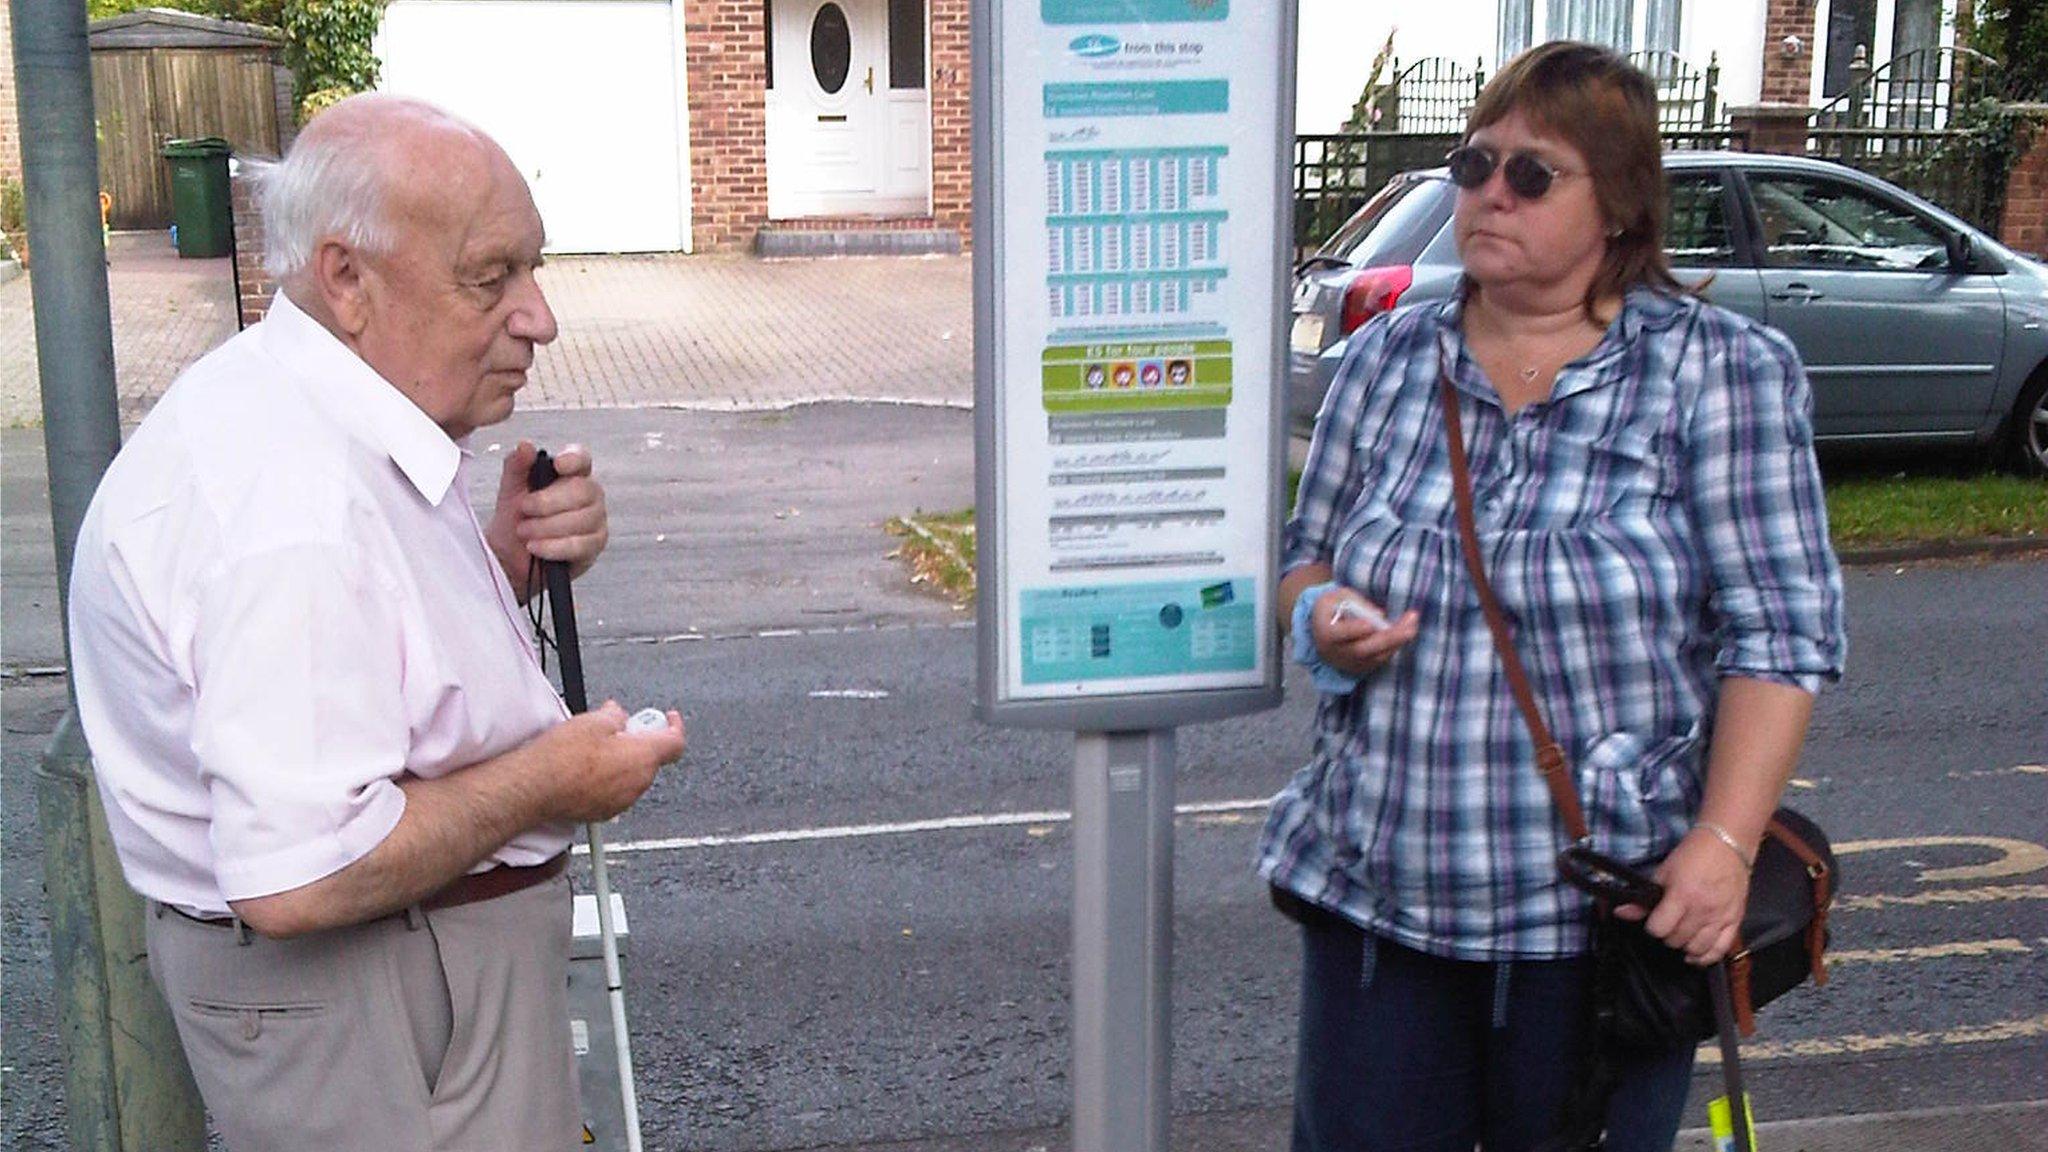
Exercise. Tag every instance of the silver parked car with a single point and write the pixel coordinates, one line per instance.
(1915, 327)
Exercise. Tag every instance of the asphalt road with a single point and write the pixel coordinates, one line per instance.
(810, 967)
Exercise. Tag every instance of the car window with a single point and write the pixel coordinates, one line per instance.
(1696, 233)
(1393, 226)
(1816, 222)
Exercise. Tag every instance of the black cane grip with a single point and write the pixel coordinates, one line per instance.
(542, 473)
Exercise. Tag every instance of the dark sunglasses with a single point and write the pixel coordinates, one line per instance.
(1527, 177)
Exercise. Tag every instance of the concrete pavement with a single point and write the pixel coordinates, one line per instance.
(715, 333)
(776, 519)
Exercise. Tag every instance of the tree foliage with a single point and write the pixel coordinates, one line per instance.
(2015, 33)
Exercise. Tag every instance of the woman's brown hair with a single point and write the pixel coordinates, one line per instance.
(1606, 108)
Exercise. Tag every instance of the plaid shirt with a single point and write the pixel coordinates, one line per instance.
(1654, 526)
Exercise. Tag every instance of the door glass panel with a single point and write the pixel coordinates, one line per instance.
(906, 43)
(831, 48)
(1819, 223)
(768, 41)
(1696, 233)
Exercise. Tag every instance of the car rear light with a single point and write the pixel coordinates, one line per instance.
(1373, 291)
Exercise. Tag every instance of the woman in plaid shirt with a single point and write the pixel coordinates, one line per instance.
(1651, 514)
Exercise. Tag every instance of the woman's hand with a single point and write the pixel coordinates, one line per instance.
(1357, 642)
(1706, 886)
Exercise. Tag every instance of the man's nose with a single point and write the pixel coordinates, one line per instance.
(532, 319)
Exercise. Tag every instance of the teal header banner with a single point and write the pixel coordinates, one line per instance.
(1132, 11)
(1158, 98)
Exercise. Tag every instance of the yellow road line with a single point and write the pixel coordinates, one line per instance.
(1858, 1045)
(2011, 857)
(1990, 894)
(2001, 947)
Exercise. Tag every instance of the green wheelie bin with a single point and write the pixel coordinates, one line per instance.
(202, 215)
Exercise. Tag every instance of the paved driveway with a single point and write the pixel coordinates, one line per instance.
(725, 333)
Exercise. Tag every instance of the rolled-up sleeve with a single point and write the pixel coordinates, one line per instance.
(1754, 494)
(299, 725)
(1329, 478)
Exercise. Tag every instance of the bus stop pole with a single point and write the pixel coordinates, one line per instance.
(1123, 939)
(127, 1087)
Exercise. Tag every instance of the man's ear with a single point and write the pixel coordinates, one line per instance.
(340, 280)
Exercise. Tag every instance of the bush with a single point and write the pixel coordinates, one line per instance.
(327, 46)
(13, 219)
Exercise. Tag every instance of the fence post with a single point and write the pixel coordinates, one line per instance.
(1859, 75)
(1709, 114)
(1776, 128)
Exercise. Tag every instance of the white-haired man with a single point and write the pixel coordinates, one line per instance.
(330, 759)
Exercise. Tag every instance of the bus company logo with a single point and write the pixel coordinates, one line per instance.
(1095, 46)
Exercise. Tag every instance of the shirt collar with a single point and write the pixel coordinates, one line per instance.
(370, 407)
(1644, 310)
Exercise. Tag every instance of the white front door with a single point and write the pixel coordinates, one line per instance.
(838, 133)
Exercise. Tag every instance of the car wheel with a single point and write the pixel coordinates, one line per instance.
(2027, 440)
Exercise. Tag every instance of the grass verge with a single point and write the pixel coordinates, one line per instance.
(1866, 508)
(939, 548)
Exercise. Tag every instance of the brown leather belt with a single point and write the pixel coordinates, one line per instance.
(503, 880)
(473, 888)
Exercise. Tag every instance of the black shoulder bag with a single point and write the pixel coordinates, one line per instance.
(1646, 998)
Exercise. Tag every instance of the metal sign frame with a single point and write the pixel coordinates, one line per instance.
(1007, 282)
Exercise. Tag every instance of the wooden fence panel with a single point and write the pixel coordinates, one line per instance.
(145, 98)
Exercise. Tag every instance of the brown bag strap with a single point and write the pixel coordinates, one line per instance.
(1549, 757)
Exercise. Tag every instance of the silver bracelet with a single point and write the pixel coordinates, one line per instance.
(1747, 856)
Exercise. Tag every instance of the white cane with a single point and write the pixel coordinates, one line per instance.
(561, 601)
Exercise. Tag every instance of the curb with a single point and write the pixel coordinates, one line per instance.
(1990, 548)
(2011, 1127)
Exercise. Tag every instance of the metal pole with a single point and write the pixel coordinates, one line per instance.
(126, 1082)
(1123, 939)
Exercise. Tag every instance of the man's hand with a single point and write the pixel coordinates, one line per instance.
(596, 769)
(1706, 886)
(1357, 644)
(564, 521)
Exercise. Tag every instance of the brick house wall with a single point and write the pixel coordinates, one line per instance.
(728, 83)
(952, 82)
(10, 128)
(2024, 226)
(256, 285)
(1788, 79)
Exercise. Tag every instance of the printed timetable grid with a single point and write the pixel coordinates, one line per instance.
(1133, 233)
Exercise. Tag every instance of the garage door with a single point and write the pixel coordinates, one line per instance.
(582, 93)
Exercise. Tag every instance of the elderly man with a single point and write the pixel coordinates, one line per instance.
(330, 758)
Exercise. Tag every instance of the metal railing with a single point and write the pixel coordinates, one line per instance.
(1336, 173)
(1947, 166)
(1919, 90)
(1687, 98)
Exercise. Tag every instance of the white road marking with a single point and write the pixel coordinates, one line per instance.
(849, 694)
(1994, 1033)
(900, 828)
(2014, 857)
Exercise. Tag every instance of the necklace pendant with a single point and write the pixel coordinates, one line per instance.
(1528, 375)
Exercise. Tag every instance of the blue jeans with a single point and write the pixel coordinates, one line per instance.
(1405, 1052)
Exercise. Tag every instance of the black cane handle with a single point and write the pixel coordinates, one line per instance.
(561, 601)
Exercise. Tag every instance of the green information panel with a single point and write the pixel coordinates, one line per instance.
(1132, 377)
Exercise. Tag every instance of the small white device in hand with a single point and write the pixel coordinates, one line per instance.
(647, 720)
(1358, 610)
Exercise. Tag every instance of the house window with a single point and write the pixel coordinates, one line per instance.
(831, 48)
(1851, 23)
(1600, 21)
(906, 44)
(1517, 28)
(1660, 26)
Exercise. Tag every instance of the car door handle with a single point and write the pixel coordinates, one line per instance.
(1802, 293)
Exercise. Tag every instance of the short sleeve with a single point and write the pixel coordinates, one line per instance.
(299, 726)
